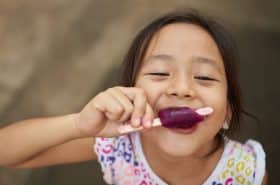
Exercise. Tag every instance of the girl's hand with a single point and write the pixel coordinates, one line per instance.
(111, 108)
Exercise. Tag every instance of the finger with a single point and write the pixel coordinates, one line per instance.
(113, 109)
(124, 101)
(96, 103)
(137, 95)
(148, 117)
(139, 108)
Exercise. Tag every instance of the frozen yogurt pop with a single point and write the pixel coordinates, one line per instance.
(173, 117)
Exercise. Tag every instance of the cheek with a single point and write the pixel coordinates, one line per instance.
(215, 96)
(217, 99)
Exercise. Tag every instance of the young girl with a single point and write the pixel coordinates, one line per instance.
(179, 60)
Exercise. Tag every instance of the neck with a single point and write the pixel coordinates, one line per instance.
(192, 169)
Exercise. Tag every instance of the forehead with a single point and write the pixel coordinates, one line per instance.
(184, 42)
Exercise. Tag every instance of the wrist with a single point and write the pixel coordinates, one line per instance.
(76, 132)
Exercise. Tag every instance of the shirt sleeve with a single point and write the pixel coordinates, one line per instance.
(260, 160)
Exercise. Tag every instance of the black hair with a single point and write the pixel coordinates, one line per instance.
(224, 41)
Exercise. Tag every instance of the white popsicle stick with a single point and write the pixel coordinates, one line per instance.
(204, 111)
(124, 129)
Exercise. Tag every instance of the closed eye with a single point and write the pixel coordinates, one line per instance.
(159, 74)
(204, 78)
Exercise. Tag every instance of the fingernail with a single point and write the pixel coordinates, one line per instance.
(147, 123)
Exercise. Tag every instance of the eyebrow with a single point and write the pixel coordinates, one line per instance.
(163, 57)
(198, 59)
(204, 60)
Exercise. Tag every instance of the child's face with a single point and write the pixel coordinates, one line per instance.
(182, 53)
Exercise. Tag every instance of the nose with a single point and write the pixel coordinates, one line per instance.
(181, 87)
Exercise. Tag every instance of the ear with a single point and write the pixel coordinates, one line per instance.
(229, 113)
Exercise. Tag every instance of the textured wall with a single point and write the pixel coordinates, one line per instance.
(56, 55)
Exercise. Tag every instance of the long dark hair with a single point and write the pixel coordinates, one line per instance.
(224, 41)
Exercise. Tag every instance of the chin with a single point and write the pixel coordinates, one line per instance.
(178, 149)
(178, 145)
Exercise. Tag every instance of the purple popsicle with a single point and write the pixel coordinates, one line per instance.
(179, 117)
(173, 117)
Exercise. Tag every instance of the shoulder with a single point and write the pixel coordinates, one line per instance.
(249, 159)
(260, 158)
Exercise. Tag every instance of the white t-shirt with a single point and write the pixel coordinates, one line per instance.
(123, 163)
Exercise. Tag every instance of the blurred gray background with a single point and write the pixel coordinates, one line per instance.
(56, 55)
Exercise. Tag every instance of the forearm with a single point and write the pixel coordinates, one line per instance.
(23, 140)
